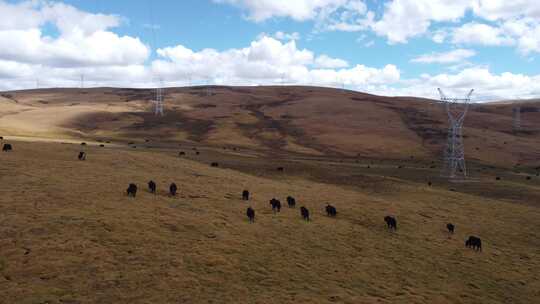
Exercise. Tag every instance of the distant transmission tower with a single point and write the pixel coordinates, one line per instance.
(158, 110)
(516, 119)
(208, 89)
(82, 81)
(454, 153)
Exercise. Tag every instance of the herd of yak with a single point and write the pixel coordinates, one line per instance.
(331, 211)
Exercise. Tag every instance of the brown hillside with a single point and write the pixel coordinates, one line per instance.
(303, 120)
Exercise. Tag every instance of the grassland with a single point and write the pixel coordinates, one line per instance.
(70, 235)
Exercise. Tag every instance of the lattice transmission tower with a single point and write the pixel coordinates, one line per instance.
(454, 153)
(158, 109)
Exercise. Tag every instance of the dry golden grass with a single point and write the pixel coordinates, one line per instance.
(70, 235)
(305, 120)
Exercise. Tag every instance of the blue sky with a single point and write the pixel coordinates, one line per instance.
(393, 47)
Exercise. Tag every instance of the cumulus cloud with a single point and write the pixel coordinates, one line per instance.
(300, 10)
(86, 43)
(83, 38)
(266, 61)
(479, 33)
(323, 61)
(453, 56)
(504, 10)
(401, 20)
(488, 86)
(287, 36)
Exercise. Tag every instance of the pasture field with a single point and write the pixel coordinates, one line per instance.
(69, 234)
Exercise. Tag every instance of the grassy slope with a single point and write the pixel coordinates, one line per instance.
(88, 243)
(306, 120)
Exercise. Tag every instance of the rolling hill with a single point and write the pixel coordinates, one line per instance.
(303, 120)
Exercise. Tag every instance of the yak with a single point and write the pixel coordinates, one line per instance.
(305, 213)
(391, 222)
(245, 195)
(152, 187)
(250, 214)
(331, 210)
(132, 190)
(172, 189)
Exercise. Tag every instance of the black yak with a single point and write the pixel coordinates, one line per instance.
(276, 205)
(7, 148)
(450, 227)
(331, 210)
(305, 213)
(132, 190)
(245, 195)
(391, 222)
(172, 189)
(474, 243)
(250, 214)
(291, 201)
(152, 187)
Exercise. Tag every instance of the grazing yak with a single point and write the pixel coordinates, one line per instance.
(181, 153)
(291, 201)
(276, 205)
(250, 214)
(305, 213)
(172, 189)
(331, 210)
(450, 227)
(214, 164)
(474, 243)
(7, 148)
(132, 190)
(245, 195)
(280, 169)
(391, 222)
(82, 155)
(152, 187)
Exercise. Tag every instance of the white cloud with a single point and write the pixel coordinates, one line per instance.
(453, 56)
(479, 33)
(526, 32)
(86, 44)
(300, 10)
(83, 38)
(488, 86)
(287, 36)
(504, 10)
(266, 61)
(323, 61)
(403, 19)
